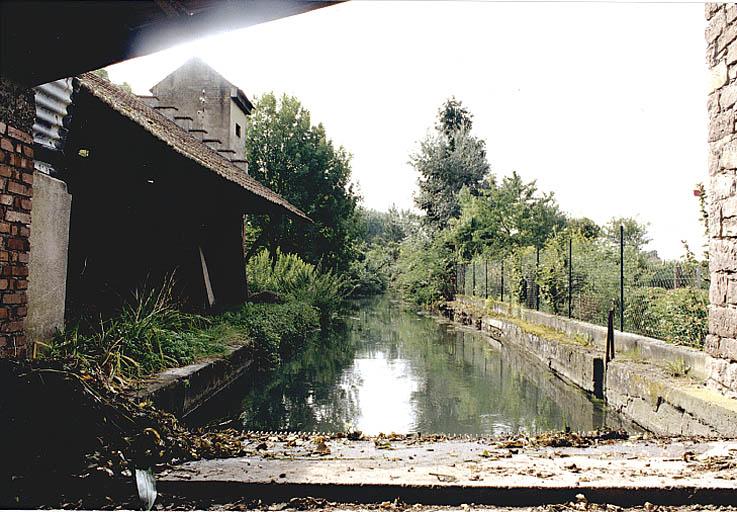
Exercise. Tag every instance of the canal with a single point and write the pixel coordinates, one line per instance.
(391, 368)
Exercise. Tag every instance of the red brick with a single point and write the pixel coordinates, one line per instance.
(20, 270)
(20, 189)
(23, 257)
(13, 216)
(3, 154)
(24, 231)
(19, 135)
(3, 341)
(5, 270)
(4, 284)
(6, 170)
(14, 298)
(14, 326)
(27, 177)
(4, 312)
(2, 127)
(18, 244)
(22, 204)
(28, 151)
(21, 284)
(6, 199)
(21, 312)
(6, 144)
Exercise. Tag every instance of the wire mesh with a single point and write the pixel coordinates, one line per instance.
(585, 279)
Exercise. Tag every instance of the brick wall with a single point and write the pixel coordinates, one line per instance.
(721, 36)
(16, 189)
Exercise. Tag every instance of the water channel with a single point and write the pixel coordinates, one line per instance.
(394, 369)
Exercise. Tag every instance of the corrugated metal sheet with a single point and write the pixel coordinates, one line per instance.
(52, 103)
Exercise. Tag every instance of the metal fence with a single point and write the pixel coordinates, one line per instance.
(585, 279)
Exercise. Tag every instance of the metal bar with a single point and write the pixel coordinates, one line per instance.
(570, 277)
(537, 285)
(621, 277)
(473, 277)
(502, 283)
(486, 278)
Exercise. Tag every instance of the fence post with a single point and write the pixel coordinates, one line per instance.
(502, 283)
(473, 278)
(486, 278)
(621, 277)
(537, 285)
(570, 277)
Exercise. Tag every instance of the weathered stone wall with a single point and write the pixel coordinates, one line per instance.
(721, 36)
(47, 267)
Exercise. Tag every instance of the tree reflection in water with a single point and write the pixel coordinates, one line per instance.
(392, 369)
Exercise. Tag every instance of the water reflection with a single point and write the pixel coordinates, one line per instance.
(391, 369)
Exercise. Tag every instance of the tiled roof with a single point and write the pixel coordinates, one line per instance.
(178, 139)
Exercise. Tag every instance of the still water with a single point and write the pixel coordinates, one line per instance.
(392, 369)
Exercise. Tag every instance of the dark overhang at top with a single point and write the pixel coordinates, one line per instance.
(42, 41)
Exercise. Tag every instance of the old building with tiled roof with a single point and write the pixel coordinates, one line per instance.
(133, 193)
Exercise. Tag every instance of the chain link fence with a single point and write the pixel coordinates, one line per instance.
(584, 279)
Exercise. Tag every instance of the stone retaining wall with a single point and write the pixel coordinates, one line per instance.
(181, 391)
(641, 391)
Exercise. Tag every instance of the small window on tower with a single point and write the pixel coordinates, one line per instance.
(237, 130)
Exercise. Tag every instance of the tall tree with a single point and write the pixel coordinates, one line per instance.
(298, 161)
(635, 233)
(505, 216)
(448, 160)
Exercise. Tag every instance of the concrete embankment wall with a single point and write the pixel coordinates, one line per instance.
(181, 391)
(640, 389)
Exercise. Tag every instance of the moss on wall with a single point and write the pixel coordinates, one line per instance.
(17, 106)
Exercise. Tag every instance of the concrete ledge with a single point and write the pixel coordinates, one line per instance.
(668, 406)
(181, 391)
(474, 471)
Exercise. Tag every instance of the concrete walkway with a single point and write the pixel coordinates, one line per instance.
(501, 472)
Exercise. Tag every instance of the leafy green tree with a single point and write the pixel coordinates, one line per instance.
(635, 233)
(391, 226)
(504, 217)
(453, 117)
(297, 160)
(448, 160)
(585, 226)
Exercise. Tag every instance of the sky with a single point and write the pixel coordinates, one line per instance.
(602, 103)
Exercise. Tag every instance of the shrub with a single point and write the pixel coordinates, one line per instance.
(296, 280)
(678, 316)
(371, 272)
(275, 328)
(425, 269)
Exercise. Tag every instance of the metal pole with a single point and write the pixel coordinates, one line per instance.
(473, 278)
(537, 285)
(502, 283)
(570, 277)
(486, 278)
(621, 277)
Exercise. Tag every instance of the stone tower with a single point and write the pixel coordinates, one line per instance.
(199, 99)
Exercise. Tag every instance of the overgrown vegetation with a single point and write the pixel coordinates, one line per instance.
(298, 281)
(150, 333)
(297, 160)
(477, 220)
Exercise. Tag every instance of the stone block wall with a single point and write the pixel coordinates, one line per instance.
(721, 37)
